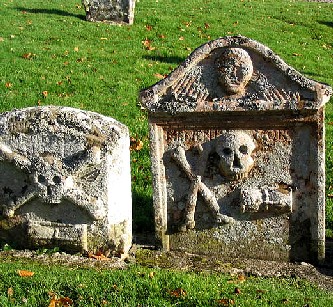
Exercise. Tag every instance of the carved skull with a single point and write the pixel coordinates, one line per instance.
(51, 180)
(234, 149)
(235, 70)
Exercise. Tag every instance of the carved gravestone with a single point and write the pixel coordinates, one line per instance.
(237, 149)
(64, 180)
(112, 11)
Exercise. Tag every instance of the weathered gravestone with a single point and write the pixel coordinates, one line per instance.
(64, 180)
(237, 148)
(112, 11)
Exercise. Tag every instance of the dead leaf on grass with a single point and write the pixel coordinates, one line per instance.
(135, 144)
(10, 291)
(28, 56)
(159, 76)
(179, 292)
(149, 27)
(60, 302)
(147, 44)
(225, 302)
(24, 273)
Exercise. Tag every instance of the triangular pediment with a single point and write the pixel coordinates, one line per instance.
(234, 74)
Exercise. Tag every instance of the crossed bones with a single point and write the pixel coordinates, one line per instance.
(197, 186)
(52, 180)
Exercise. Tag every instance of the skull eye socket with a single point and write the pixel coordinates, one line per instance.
(41, 179)
(227, 151)
(57, 179)
(243, 149)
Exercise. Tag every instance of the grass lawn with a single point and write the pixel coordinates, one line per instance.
(141, 286)
(49, 54)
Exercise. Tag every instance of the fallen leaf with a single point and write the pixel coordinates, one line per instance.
(181, 38)
(8, 84)
(104, 39)
(28, 56)
(45, 93)
(161, 36)
(65, 301)
(151, 274)
(135, 144)
(237, 291)
(10, 291)
(207, 25)
(149, 27)
(179, 292)
(76, 49)
(296, 54)
(24, 273)
(98, 256)
(147, 44)
(53, 302)
(226, 302)
(60, 302)
(160, 76)
(241, 278)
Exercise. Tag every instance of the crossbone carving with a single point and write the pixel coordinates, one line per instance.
(197, 186)
(52, 180)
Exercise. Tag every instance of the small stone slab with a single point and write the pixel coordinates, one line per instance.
(237, 155)
(110, 11)
(64, 180)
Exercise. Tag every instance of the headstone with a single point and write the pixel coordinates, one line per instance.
(64, 180)
(112, 11)
(237, 149)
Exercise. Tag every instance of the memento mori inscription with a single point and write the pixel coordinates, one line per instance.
(62, 171)
(237, 154)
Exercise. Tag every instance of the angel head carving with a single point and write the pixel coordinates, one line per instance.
(235, 70)
(234, 149)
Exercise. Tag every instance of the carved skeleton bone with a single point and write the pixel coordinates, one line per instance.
(52, 181)
(197, 186)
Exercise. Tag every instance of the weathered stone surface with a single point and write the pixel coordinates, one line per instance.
(237, 149)
(64, 180)
(112, 11)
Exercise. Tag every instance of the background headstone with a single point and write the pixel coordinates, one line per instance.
(237, 149)
(64, 180)
(112, 11)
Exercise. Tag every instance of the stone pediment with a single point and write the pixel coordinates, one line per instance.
(234, 74)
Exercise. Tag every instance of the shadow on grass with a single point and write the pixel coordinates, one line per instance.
(326, 23)
(164, 59)
(143, 213)
(143, 220)
(51, 12)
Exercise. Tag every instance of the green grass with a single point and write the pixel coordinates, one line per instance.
(48, 47)
(139, 286)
